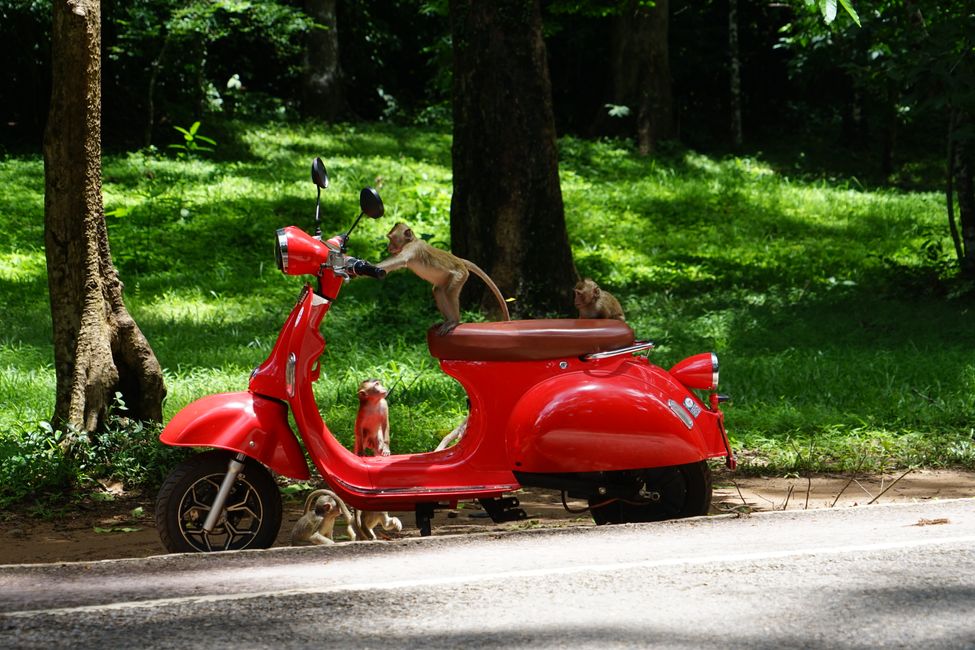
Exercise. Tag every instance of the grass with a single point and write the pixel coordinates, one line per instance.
(843, 339)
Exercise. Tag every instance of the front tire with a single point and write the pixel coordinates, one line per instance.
(251, 517)
(658, 494)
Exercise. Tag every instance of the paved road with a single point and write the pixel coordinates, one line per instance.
(878, 576)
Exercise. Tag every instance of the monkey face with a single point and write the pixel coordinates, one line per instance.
(399, 237)
(586, 293)
(372, 389)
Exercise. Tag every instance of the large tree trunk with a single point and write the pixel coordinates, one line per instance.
(734, 76)
(324, 89)
(98, 348)
(506, 214)
(641, 71)
(965, 177)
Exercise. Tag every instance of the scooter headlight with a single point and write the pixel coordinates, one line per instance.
(298, 253)
(699, 371)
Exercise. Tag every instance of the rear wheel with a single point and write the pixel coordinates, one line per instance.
(251, 516)
(658, 494)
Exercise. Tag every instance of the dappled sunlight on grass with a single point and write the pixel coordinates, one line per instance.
(829, 305)
(20, 266)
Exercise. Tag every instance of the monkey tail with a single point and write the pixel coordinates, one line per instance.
(351, 527)
(490, 283)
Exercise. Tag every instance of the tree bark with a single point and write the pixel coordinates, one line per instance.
(98, 348)
(734, 75)
(507, 214)
(324, 90)
(641, 71)
(965, 176)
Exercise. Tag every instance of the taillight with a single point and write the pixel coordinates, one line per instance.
(699, 371)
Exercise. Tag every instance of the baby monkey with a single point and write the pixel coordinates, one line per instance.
(372, 420)
(445, 271)
(315, 526)
(593, 302)
(366, 520)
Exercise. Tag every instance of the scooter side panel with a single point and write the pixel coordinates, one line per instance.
(241, 422)
(603, 420)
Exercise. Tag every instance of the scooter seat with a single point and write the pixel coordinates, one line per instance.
(529, 340)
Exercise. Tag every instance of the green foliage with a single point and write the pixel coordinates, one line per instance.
(191, 141)
(837, 320)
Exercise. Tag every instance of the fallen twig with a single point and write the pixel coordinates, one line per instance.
(891, 485)
(788, 496)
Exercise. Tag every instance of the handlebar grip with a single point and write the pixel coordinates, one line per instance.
(357, 267)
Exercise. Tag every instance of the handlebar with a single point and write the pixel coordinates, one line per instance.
(356, 267)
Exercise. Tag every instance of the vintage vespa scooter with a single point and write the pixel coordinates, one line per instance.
(559, 404)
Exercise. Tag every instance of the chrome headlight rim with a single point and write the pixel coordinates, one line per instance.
(281, 251)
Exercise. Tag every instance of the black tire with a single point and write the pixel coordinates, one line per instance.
(252, 516)
(659, 494)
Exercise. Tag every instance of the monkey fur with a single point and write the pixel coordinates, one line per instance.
(315, 526)
(593, 302)
(366, 520)
(372, 420)
(445, 271)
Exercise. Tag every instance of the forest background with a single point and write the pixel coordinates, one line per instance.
(792, 216)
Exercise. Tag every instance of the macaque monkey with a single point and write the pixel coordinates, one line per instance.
(593, 302)
(372, 420)
(454, 436)
(366, 520)
(322, 508)
(445, 271)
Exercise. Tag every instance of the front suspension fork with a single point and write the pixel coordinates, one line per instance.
(234, 468)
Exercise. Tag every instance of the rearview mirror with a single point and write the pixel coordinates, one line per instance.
(318, 174)
(370, 203)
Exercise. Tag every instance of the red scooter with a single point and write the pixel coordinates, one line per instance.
(563, 404)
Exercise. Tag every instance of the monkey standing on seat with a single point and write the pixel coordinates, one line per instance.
(372, 420)
(315, 526)
(593, 302)
(445, 271)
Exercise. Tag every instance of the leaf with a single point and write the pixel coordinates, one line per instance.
(196, 125)
(137, 512)
(115, 529)
(828, 7)
(182, 130)
(206, 139)
(851, 10)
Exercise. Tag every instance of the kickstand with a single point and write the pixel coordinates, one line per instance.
(424, 517)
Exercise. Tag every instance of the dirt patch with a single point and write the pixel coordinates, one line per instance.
(124, 528)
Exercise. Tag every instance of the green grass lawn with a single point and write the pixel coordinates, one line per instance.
(842, 339)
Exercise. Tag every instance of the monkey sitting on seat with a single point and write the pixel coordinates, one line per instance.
(593, 302)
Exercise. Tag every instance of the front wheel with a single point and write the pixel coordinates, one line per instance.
(251, 516)
(657, 494)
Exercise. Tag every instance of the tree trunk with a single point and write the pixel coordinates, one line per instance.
(641, 71)
(98, 348)
(323, 87)
(506, 212)
(965, 176)
(734, 75)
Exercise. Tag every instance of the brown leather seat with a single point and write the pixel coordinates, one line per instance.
(527, 340)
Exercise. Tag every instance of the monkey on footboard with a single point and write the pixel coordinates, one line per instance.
(445, 271)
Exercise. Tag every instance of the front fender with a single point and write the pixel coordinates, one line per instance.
(588, 422)
(242, 422)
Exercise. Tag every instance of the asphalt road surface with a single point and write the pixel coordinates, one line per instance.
(867, 577)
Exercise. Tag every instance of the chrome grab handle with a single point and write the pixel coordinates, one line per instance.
(636, 347)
